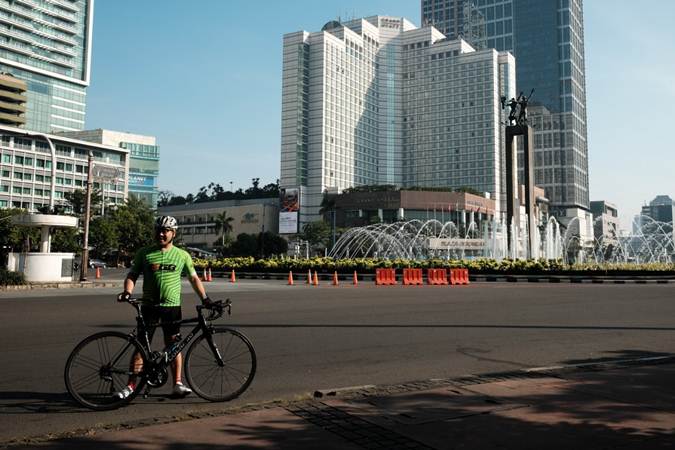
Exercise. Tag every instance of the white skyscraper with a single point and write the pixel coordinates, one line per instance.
(47, 44)
(379, 101)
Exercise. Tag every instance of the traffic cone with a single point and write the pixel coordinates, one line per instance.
(309, 277)
(316, 278)
(335, 279)
(98, 273)
(233, 277)
(356, 279)
(210, 276)
(290, 278)
(205, 277)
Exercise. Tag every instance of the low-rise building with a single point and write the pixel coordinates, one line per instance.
(26, 173)
(197, 221)
(364, 207)
(605, 220)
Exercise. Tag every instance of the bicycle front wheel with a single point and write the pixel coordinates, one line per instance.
(221, 368)
(101, 366)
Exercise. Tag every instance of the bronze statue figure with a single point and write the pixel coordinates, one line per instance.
(522, 101)
(518, 108)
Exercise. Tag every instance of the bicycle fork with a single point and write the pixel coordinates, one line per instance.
(214, 350)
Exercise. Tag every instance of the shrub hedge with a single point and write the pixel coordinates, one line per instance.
(475, 266)
(11, 278)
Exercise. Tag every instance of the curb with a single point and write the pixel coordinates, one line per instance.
(572, 279)
(83, 284)
(474, 278)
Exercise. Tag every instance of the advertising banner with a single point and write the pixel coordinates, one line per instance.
(289, 210)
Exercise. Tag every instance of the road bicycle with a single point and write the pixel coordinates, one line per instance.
(219, 365)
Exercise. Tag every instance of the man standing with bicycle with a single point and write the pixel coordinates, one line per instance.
(162, 265)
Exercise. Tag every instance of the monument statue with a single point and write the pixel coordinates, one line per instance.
(522, 100)
(518, 108)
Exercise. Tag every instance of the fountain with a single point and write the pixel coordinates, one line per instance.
(650, 242)
(416, 239)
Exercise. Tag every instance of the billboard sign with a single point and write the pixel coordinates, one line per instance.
(289, 210)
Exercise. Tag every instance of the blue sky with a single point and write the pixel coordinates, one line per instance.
(205, 78)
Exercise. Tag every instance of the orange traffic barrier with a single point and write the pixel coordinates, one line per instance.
(454, 277)
(356, 279)
(385, 277)
(316, 278)
(465, 276)
(335, 279)
(437, 276)
(412, 277)
(98, 273)
(233, 277)
(290, 278)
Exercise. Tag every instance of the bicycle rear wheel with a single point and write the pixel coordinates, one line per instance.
(101, 366)
(216, 381)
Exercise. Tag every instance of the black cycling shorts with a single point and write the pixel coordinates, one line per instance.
(166, 316)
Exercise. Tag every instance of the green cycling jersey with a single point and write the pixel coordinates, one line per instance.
(162, 271)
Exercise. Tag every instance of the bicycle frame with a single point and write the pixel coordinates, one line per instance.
(171, 351)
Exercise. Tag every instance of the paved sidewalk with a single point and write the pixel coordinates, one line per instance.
(625, 407)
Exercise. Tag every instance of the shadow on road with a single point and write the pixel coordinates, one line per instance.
(627, 407)
(420, 325)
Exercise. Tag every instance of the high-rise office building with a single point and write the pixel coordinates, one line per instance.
(143, 159)
(659, 209)
(47, 44)
(380, 101)
(547, 39)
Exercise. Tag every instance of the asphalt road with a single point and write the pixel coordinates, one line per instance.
(310, 338)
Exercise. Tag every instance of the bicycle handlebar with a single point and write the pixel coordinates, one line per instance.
(216, 308)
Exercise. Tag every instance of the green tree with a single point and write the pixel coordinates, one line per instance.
(66, 240)
(163, 198)
(77, 200)
(14, 237)
(133, 222)
(274, 244)
(223, 225)
(103, 236)
(244, 245)
(316, 233)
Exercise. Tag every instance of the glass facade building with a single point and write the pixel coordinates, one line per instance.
(547, 39)
(143, 159)
(47, 44)
(143, 172)
(380, 101)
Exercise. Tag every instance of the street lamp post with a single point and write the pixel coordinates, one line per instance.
(87, 214)
(52, 150)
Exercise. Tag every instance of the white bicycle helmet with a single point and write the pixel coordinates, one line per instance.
(166, 222)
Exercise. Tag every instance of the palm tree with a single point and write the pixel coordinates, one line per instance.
(223, 225)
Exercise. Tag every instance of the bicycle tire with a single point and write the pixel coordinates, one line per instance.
(99, 366)
(218, 383)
